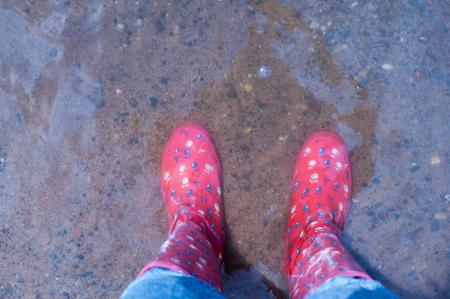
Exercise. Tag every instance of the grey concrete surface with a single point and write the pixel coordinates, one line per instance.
(90, 90)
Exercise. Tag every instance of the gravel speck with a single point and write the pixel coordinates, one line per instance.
(264, 71)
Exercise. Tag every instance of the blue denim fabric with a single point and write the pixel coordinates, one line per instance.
(162, 283)
(340, 287)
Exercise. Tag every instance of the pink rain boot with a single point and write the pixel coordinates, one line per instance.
(320, 202)
(190, 179)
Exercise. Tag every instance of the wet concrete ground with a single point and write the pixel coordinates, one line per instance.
(90, 91)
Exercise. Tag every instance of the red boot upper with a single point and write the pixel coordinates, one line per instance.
(191, 181)
(320, 189)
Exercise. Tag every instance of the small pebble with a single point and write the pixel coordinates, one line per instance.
(447, 197)
(434, 160)
(264, 71)
(423, 39)
(247, 130)
(139, 22)
(153, 102)
(414, 167)
(116, 138)
(387, 67)
(440, 216)
(2, 163)
(97, 102)
(133, 102)
(118, 91)
(248, 87)
(362, 75)
(120, 27)
(313, 25)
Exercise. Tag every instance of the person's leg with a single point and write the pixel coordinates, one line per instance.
(342, 287)
(162, 283)
(320, 202)
(191, 185)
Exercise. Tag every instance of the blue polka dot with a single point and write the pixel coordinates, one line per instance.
(194, 164)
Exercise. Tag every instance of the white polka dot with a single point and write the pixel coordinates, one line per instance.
(185, 181)
(189, 143)
(312, 163)
(199, 265)
(319, 229)
(219, 191)
(193, 246)
(346, 189)
(317, 272)
(166, 176)
(174, 260)
(341, 206)
(307, 151)
(208, 168)
(182, 168)
(216, 206)
(201, 212)
(302, 234)
(339, 165)
(334, 152)
(330, 215)
(202, 260)
(189, 237)
(164, 246)
(293, 209)
(314, 178)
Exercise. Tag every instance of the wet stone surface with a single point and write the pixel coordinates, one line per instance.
(89, 93)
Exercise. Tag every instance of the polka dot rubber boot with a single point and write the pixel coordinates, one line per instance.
(190, 179)
(320, 202)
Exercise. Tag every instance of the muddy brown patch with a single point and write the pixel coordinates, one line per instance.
(258, 125)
